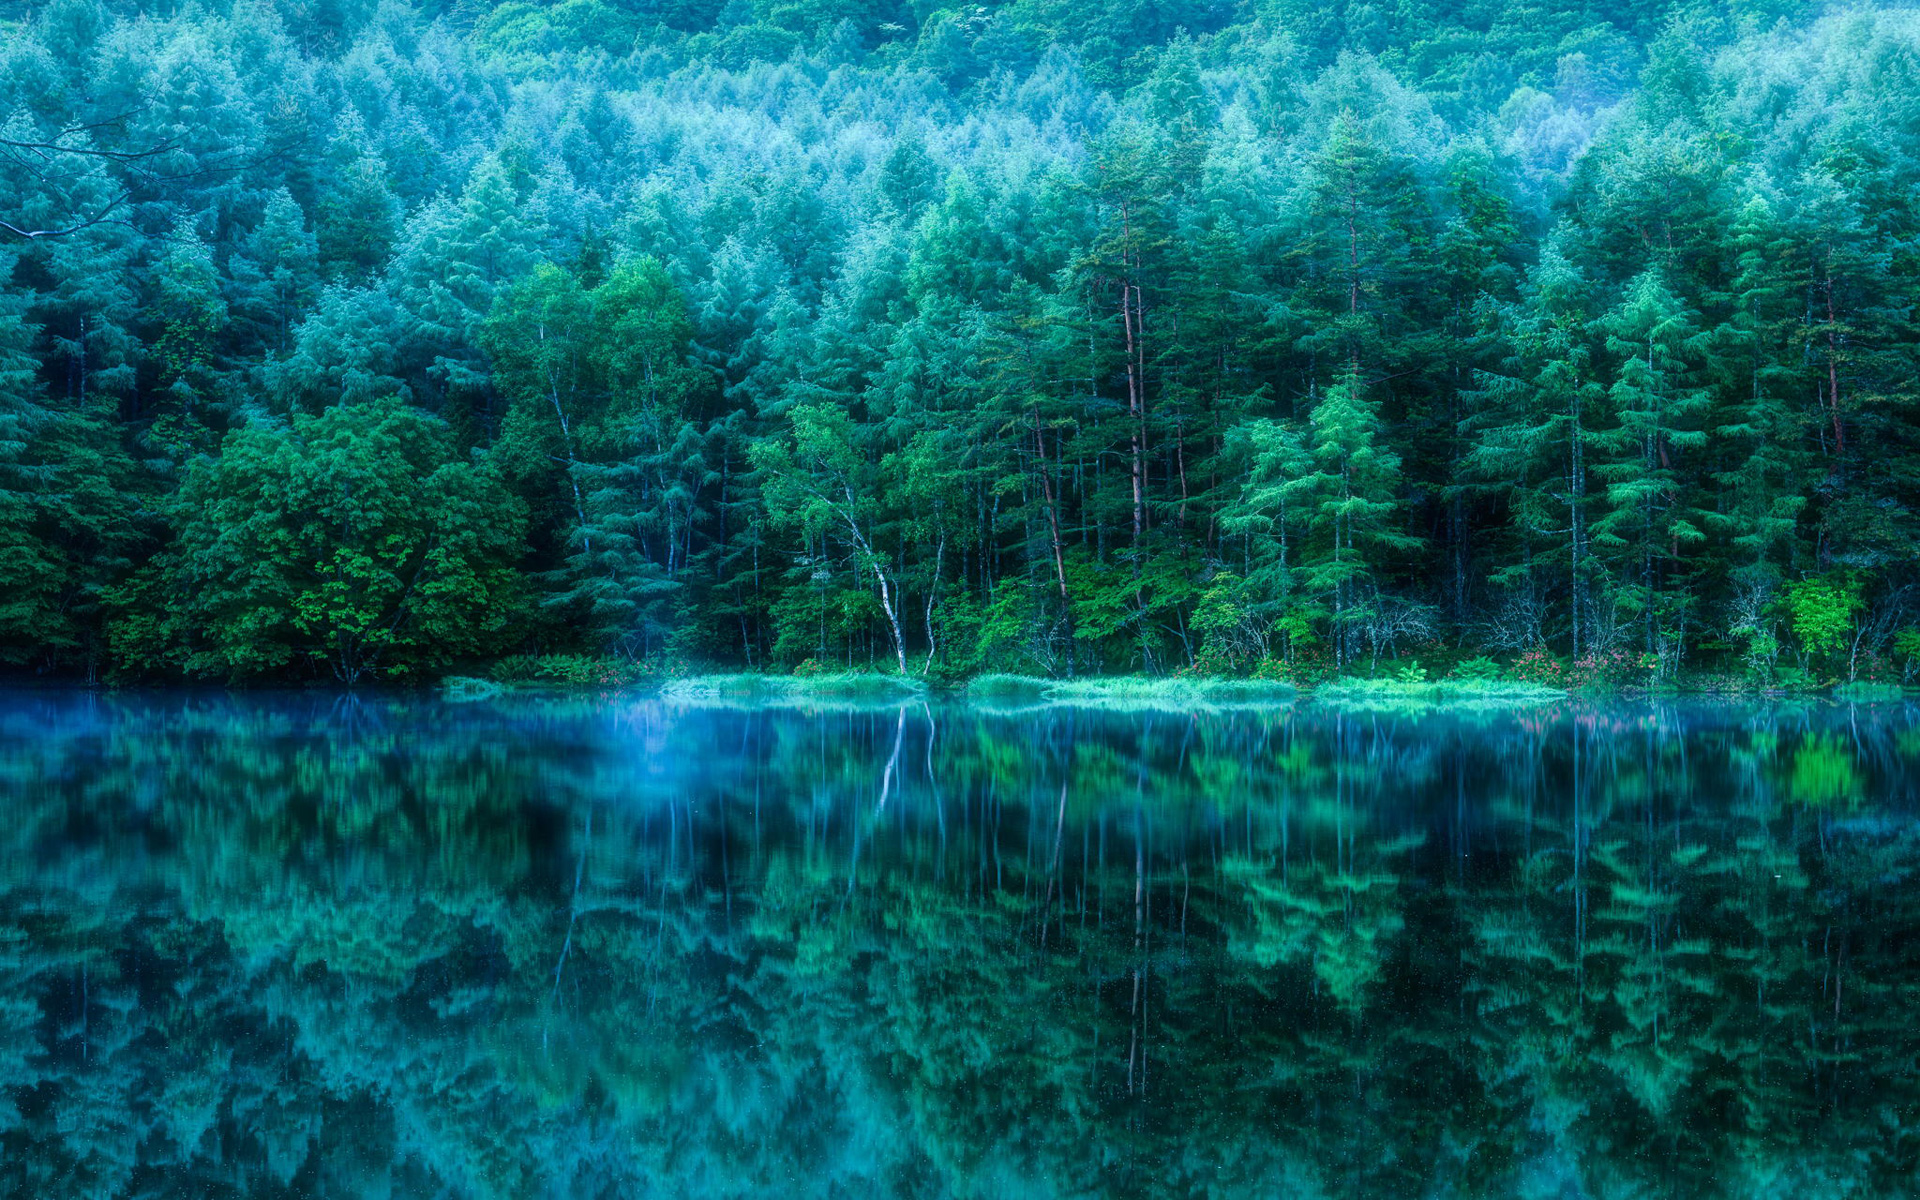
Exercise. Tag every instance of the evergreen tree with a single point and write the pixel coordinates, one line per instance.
(1765, 471)
(1349, 498)
(188, 314)
(357, 220)
(1533, 425)
(272, 278)
(1651, 520)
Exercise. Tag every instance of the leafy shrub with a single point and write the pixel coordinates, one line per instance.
(1477, 670)
(821, 687)
(1610, 667)
(1539, 665)
(1821, 611)
(1307, 667)
(569, 670)
(1179, 694)
(1793, 679)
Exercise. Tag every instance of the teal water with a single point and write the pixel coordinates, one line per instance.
(327, 946)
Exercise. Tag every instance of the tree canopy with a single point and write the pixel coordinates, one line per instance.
(1032, 335)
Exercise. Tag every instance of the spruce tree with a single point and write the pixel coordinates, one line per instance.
(1659, 412)
(1349, 497)
(1531, 429)
(188, 316)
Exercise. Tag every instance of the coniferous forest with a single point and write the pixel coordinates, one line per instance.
(346, 341)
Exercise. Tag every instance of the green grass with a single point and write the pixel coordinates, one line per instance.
(855, 687)
(1395, 693)
(1129, 693)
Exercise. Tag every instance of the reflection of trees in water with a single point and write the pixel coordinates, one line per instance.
(276, 946)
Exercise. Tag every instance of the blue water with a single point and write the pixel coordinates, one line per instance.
(336, 946)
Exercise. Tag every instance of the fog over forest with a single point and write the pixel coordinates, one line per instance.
(346, 341)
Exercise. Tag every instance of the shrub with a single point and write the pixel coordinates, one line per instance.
(1539, 665)
(1821, 611)
(568, 670)
(1477, 670)
(1608, 667)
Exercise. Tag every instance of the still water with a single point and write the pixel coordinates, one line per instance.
(367, 947)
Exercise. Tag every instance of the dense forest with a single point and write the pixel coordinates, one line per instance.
(351, 341)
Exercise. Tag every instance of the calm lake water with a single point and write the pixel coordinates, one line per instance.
(344, 947)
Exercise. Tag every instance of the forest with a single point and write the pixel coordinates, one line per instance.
(345, 341)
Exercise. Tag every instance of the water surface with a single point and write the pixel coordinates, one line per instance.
(392, 946)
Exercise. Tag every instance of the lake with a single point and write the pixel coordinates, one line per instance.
(342, 946)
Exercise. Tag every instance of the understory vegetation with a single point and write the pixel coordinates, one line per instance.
(1560, 345)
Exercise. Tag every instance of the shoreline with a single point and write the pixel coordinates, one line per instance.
(1123, 692)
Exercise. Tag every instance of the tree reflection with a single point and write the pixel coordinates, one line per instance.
(387, 946)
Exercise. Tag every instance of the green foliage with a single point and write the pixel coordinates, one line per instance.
(800, 688)
(1476, 670)
(353, 541)
(1003, 337)
(1413, 690)
(580, 671)
(1821, 611)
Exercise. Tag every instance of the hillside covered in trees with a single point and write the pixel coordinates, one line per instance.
(346, 340)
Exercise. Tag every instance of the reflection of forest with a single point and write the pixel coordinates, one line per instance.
(381, 947)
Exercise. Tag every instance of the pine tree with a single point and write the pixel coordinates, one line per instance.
(188, 315)
(1659, 414)
(1759, 423)
(357, 220)
(1533, 422)
(648, 489)
(1267, 521)
(1365, 240)
(272, 278)
(30, 572)
(1349, 500)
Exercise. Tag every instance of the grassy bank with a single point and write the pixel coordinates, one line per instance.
(848, 687)
(1398, 693)
(1129, 692)
(1404, 688)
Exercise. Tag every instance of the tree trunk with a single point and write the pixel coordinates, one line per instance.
(886, 585)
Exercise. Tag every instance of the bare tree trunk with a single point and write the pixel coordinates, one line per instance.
(933, 589)
(1053, 523)
(1136, 411)
(886, 585)
(1833, 365)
